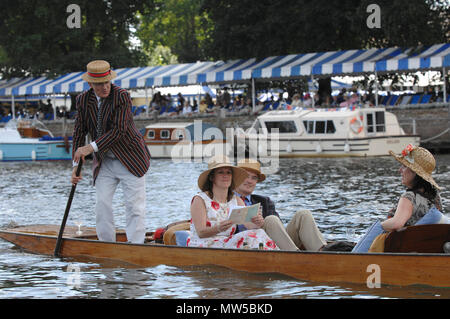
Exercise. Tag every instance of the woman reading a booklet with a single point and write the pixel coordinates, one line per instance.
(210, 211)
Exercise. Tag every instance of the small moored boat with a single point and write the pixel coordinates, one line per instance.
(429, 267)
(25, 140)
(328, 133)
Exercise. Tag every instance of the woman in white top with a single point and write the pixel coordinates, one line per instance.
(210, 226)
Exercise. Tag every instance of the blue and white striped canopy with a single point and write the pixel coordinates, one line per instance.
(334, 63)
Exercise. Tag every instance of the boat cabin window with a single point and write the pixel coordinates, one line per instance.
(375, 122)
(319, 127)
(282, 126)
(151, 134)
(164, 134)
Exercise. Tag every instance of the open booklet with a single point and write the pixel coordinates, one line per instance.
(242, 214)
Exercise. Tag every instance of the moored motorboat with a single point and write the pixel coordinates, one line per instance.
(184, 140)
(32, 141)
(401, 269)
(340, 132)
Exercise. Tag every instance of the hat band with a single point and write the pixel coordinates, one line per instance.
(99, 75)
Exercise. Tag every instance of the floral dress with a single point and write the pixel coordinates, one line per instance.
(215, 213)
(421, 206)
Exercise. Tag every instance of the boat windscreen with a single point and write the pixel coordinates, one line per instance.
(282, 126)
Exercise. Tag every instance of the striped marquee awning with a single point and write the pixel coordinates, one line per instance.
(334, 63)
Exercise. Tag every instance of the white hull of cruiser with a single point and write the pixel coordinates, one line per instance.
(327, 133)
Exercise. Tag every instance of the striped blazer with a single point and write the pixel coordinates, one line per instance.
(120, 135)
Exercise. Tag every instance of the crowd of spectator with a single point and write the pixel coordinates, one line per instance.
(166, 104)
(36, 109)
(237, 104)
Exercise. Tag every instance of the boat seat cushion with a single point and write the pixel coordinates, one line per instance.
(169, 235)
(181, 237)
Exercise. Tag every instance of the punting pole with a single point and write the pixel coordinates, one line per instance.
(66, 213)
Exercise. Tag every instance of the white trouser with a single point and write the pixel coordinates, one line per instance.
(112, 172)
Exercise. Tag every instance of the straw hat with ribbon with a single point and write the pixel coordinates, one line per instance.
(419, 160)
(98, 71)
(252, 166)
(239, 174)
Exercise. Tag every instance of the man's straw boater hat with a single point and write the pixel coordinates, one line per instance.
(239, 174)
(252, 166)
(419, 160)
(98, 71)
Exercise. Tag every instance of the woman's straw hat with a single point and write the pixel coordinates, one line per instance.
(419, 160)
(239, 174)
(252, 166)
(98, 71)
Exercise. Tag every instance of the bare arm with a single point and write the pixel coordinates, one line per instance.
(401, 216)
(198, 214)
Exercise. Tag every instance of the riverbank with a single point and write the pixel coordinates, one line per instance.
(432, 123)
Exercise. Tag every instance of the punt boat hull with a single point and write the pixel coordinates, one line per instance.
(402, 269)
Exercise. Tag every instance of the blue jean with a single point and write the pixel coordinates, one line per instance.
(432, 217)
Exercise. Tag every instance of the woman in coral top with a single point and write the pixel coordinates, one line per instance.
(210, 226)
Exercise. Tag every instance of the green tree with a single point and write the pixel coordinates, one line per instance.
(175, 24)
(36, 39)
(247, 28)
(161, 55)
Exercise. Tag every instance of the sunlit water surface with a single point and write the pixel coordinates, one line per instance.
(345, 195)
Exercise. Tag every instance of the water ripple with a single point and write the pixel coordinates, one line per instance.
(344, 195)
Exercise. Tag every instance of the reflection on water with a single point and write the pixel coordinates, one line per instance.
(345, 196)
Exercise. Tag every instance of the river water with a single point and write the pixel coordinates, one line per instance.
(345, 195)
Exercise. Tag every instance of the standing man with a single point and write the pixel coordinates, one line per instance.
(120, 154)
(301, 232)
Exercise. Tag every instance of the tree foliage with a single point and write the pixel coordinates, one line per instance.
(35, 39)
(247, 28)
(176, 24)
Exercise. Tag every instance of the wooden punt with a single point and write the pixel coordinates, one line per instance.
(402, 269)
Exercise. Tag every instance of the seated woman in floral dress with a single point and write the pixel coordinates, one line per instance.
(210, 226)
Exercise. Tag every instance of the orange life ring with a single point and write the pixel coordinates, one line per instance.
(356, 124)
